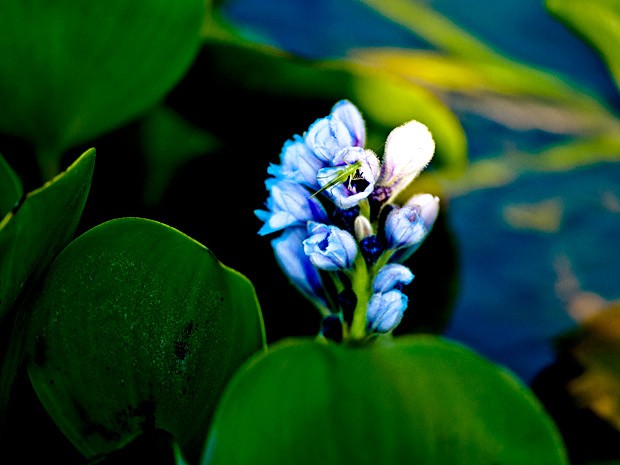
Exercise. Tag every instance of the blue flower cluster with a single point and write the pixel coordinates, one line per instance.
(343, 238)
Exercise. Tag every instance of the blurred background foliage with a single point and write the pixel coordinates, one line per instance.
(187, 103)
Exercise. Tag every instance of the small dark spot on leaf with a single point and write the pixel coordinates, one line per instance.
(181, 344)
(90, 428)
(127, 419)
(18, 204)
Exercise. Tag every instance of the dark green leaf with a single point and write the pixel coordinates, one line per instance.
(169, 142)
(138, 327)
(419, 399)
(32, 236)
(73, 70)
(10, 188)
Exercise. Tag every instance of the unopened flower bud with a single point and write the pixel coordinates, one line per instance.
(362, 228)
(385, 310)
(429, 208)
(404, 227)
(330, 248)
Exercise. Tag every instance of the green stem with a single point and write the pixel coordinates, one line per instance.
(364, 208)
(361, 284)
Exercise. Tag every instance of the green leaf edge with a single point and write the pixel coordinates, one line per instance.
(426, 339)
(7, 174)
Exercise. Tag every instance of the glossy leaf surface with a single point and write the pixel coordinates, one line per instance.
(418, 400)
(138, 327)
(73, 70)
(32, 235)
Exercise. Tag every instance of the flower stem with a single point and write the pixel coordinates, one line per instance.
(361, 284)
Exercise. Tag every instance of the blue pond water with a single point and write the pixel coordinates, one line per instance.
(509, 307)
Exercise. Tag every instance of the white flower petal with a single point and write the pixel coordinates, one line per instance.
(408, 150)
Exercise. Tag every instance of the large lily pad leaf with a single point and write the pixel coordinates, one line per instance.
(73, 70)
(10, 188)
(32, 235)
(597, 22)
(418, 400)
(138, 327)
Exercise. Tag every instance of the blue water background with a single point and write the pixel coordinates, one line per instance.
(508, 307)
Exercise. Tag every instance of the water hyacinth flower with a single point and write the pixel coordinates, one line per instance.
(330, 248)
(289, 205)
(428, 206)
(343, 237)
(392, 276)
(386, 310)
(408, 150)
(343, 128)
(363, 166)
(298, 164)
(404, 227)
(289, 252)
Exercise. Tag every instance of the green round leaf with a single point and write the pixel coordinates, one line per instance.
(32, 235)
(137, 327)
(419, 400)
(10, 188)
(73, 70)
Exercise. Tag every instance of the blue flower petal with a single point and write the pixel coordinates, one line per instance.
(404, 227)
(359, 185)
(341, 129)
(289, 252)
(298, 163)
(288, 205)
(330, 248)
(347, 124)
(392, 276)
(385, 310)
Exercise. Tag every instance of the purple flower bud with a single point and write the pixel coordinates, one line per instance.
(429, 208)
(345, 219)
(289, 252)
(371, 249)
(404, 227)
(391, 276)
(385, 310)
(289, 205)
(298, 164)
(329, 247)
